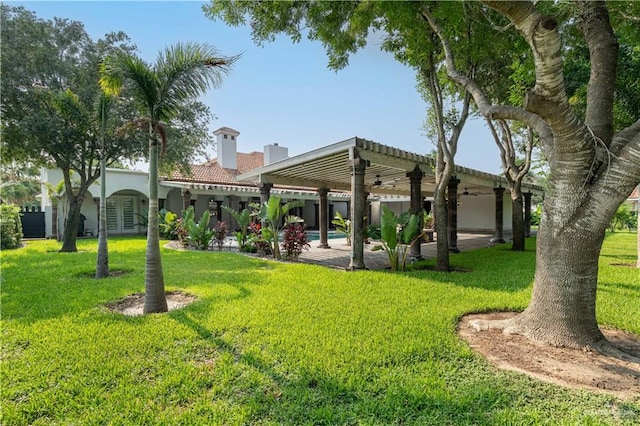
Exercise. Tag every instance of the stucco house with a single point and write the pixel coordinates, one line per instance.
(322, 179)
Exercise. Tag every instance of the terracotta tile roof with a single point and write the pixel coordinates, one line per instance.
(226, 130)
(211, 172)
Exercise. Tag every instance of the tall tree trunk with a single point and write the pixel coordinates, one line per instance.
(442, 240)
(517, 217)
(102, 261)
(69, 237)
(154, 297)
(562, 308)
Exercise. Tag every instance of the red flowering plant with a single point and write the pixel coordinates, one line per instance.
(295, 239)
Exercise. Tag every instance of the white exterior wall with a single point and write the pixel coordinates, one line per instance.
(477, 213)
(134, 183)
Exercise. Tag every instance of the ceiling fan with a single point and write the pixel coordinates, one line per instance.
(379, 182)
(466, 192)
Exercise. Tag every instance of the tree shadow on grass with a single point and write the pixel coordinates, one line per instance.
(292, 392)
(495, 268)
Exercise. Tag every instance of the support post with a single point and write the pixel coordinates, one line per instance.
(186, 199)
(358, 166)
(265, 191)
(452, 213)
(498, 237)
(323, 214)
(415, 180)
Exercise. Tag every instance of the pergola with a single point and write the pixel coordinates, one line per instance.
(364, 167)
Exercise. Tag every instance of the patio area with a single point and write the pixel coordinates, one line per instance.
(339, 255)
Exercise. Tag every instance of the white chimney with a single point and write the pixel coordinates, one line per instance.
(273, 153)
(226, 142)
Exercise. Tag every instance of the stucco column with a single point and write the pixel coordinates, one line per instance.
(498, 237)
(452, 213)
(527, 213)
(323, 213)
(265, 191)
(415, 180)
(358, 201)
(186, 198)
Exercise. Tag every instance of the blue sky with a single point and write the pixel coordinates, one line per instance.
(283, 92)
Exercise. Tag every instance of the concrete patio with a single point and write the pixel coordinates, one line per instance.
(338, 256)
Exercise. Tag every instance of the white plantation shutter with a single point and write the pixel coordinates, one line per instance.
(112, 214)
(128, 219)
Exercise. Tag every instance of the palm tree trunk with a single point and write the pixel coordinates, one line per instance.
(154, 296)
(102, 262)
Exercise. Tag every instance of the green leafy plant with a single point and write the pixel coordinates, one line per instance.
(295, 239)
(10, 226)
(373, 232)
(200, 235)
(397, 234)
(220, 234)
(244, 220)
(274, 216)
(169, 224)
(343, 226)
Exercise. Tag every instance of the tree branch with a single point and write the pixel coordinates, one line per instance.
(603, 57)
(486, 108)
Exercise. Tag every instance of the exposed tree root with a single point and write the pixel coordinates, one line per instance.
(514, 326)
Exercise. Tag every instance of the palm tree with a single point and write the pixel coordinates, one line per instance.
(102, 260)
(181, 73)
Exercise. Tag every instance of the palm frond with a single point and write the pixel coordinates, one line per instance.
(187, 71)
(140, 78)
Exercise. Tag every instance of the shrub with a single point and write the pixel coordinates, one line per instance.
(274, 216)
(11, 226)
(220, 233)
(295, 240)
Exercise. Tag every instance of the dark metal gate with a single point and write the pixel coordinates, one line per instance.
(32, 222)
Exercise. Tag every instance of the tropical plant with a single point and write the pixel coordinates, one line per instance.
(274, 216)
(373, 232)
(169, 224)
(294, 240)
(220, 234)
(244, 220)
(199, 233)
(397, 234)
(343, 226)
(10, 226)
(181, 74)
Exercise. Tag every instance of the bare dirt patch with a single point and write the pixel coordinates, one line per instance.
(562, 366)
(133, 304)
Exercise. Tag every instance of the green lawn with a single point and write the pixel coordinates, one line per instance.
(278, 343)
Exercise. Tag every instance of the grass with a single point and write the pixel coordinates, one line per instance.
(280, 343)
